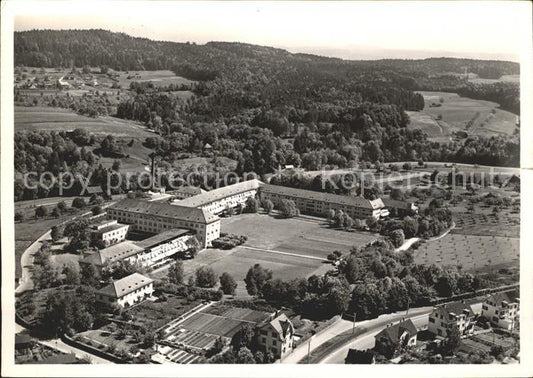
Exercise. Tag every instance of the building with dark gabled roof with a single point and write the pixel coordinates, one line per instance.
(400, 208)
(217, 200)
(502, 309)
(277, 336)
(446, 316)
(356, 356)
(396, 337)
(318, 203)
(155, 217)
(125, 292)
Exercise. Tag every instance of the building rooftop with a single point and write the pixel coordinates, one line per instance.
(220, 193)
(93, 190)
(162, 237)
(389, 202)
(456, 308)
(176, 211)
(356, 356)
(112, 254)
(509, 297)
(338, 199)
(110, 228)
(394, 331)
(126, 285)
(188, 190)
(281, 324)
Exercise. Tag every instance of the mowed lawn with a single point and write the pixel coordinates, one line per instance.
(472, 252)
(456, 112)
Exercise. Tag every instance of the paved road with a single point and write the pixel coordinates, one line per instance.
(26, 262)
(300, 353)
(284, 253)
(366, 340)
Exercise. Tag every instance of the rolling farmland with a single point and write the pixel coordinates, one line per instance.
(455, 112)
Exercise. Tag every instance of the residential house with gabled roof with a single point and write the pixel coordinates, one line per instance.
(126, 292)
(396, 337)
(444, 317)
(400, 208)
(502, 309)
(277, 336)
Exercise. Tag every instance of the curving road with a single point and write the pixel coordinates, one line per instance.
(366, 340)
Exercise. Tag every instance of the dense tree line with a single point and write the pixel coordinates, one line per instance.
(373, 280)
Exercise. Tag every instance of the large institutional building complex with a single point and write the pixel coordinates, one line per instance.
(156, 217)
(318, 203)
(198, 213)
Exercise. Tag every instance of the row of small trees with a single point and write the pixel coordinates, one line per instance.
(204, 277)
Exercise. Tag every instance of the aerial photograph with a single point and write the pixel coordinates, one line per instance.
(266, 183)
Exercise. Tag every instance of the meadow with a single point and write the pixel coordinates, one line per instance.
(455, 112)
(159, 78)
(471, 252)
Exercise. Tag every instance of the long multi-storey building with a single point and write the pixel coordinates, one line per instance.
(151, 252)
(157, 217)
(217, 200)
(318, 203)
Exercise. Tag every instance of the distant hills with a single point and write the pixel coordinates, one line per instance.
(52, 48)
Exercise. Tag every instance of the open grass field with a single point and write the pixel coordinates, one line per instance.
(472, 252)
(159, 78)
(506, 225)
(456, 111)
(56, 119)
(473, 78)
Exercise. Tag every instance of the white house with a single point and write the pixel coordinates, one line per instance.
(126, 291)
(277, 336)
(502, 309)
(444, 317)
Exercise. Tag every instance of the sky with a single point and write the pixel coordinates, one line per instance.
(351, 30)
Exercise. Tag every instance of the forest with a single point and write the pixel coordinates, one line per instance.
(262, 107)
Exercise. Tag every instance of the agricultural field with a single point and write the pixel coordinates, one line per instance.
(159, 78)
(56, 119)
(456, 112)
(473, 78)
(471, 252)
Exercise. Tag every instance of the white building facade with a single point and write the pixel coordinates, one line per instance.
(126, 292)
(502, 310)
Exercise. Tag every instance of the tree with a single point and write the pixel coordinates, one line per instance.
(56, 213)
(41, 211)
(175, 273)
(245, 356)
(193, 246)
(268, 206)
(407, 166)
(72, 276)
(371, 222)
(19, 216)
(396, 194)
(62, 206)
(353, 269)
(148, 340)
(228, 284)
(252, 205)
(256, 278)
(397, 237)
(77, 233)
(410, 227)
(243, 338)
(88, 274)
(452, 341)
(55, 233)
(347, 222)
(205, 277)
(446, 284)
(330, 215)
(288, 208)
(96, 210)
(78, 203)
